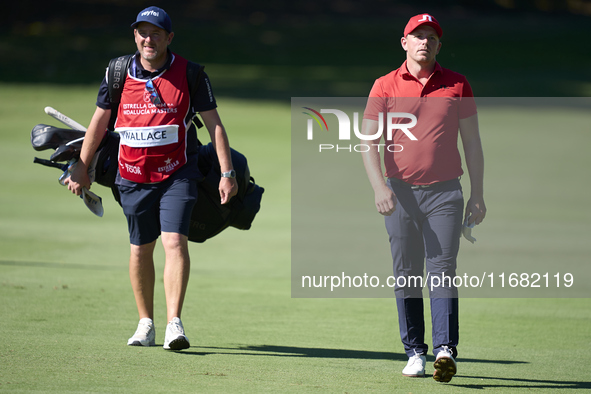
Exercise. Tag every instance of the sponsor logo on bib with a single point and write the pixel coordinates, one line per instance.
(144, 137)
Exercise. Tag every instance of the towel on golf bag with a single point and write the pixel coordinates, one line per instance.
(209, 216)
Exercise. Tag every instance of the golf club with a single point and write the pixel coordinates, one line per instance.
(64, 119)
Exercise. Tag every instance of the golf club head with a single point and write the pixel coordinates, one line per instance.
(67, 171)
(92, 202)
(63, 177)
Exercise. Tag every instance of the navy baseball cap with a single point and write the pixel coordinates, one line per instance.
(156, 16)
(422, 19)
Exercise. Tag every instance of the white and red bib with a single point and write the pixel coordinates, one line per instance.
(153, 137)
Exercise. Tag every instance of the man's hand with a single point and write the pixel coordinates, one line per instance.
(78, 179)
(385, 200)
(228, 189)
(475, 210)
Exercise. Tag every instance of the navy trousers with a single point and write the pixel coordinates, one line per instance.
(424, 232)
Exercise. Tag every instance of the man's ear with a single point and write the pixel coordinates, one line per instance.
(170, 37)
(403, 43)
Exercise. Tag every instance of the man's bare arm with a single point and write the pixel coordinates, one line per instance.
(385, 199)
(228, 187)
(475, 208)
(92, 139)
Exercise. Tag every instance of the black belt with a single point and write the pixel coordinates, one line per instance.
(420, 187)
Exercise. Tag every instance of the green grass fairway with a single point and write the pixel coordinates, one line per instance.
(67, 309)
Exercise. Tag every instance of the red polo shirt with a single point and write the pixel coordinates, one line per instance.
(438, 107)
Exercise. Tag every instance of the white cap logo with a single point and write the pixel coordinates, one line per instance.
(151, 12)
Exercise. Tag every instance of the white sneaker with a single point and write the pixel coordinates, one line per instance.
(145, 335)
(175, 338)
(445, 366)
(415, 367)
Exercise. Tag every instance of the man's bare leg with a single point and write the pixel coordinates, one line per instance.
(176, 272)
(176, 278)
(142, 276)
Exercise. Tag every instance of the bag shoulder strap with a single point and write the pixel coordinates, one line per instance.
(116, 79)
(194, 71)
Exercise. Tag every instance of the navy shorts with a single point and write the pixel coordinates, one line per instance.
(160, 207)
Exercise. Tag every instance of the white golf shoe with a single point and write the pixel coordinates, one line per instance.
(175, 338)
(145, 335)
(445, 366)
(415, 367)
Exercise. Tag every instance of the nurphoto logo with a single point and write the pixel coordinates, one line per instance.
(344, 130)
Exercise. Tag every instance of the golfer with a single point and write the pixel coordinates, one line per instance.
(422, 198)
(158, 173)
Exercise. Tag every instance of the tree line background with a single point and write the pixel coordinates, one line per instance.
(279, 49)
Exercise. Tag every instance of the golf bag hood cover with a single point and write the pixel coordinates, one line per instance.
(45, 137)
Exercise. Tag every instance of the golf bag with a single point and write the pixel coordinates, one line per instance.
(209, 216)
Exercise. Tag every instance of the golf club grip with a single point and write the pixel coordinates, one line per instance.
(49, 163)
(64, 119)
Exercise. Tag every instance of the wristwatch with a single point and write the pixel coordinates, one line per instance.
(229, 174)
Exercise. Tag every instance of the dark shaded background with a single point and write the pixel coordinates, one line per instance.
(279, 49)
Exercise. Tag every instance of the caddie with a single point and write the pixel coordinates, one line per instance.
(422, 199)
(157, 172)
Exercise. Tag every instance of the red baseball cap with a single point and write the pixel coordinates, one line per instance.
(422, 19)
